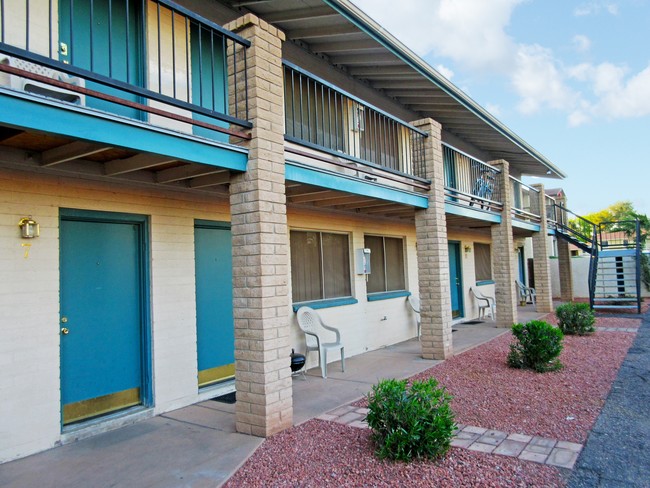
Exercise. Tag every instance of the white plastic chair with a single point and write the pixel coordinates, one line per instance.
(484, 303)
(526, 293)
(414, 302)
(315, 330)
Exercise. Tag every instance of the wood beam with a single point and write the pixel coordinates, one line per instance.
(349, 200)
(367, 59)
(7, 133)
(319, 32)
(71, 151)
(135, 163)
(342, 47)
(185, 172)
(214, 179)
(300, 14)
(312, 197)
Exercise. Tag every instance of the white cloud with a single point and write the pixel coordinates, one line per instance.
(444, 71)
(469, 32)
(581, 43)
(593, 8)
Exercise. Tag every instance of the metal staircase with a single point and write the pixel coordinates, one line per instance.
(615, 264)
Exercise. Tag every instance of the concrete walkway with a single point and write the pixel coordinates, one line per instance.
(617, 452)
(197, 446)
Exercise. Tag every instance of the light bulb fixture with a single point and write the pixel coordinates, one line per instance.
(29, 228)
(467, 249)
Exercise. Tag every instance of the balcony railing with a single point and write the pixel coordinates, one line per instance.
(471, 182)
(150, 60)
(321, 116)
(551, 211)
(521, 208)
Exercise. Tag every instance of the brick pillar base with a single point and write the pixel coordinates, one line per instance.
(433, 253)
(504, 264)
(260, 243)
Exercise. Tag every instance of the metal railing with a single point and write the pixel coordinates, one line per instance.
(324, 117)
(130, 58)
(521, 204)
(551, 217)
(471, 182)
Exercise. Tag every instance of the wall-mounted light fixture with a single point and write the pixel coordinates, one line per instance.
(28, 228)
(467, 249)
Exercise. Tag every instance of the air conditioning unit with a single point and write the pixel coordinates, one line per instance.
(36, 87)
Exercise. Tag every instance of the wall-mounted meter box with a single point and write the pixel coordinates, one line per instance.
(363, 261)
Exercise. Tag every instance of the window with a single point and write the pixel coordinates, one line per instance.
(320, 266)
(386, 264)
(482, 262)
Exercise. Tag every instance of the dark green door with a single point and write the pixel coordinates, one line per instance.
(105, 37)
(455, 282)
(102, 331)
(214, 317)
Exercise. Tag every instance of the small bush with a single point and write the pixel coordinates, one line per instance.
(538, 346)
(575, 318)
(410, 422)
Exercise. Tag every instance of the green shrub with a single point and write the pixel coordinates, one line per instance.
(575, 318)
(409, 422)
(538, 346)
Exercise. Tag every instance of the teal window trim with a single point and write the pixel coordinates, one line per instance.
(329, 303)
(485, 282)
(387, 295)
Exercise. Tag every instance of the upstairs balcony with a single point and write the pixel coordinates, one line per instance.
(141, 75)
(523, 219)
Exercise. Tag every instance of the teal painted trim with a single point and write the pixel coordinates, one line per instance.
(313, 176)
(329, 303)
(526, 225)
(79, 123)
(211, 224)
(474, 213)
(386, 295)
(148, 399)
(485, 282)
(550, 232)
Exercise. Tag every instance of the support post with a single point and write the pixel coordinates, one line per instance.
(541, 263)
(504, 264)
(260, 240)
(433, 252)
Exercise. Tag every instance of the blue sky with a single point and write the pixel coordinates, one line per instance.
(570, 77)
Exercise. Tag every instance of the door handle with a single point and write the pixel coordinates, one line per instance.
(65, 331)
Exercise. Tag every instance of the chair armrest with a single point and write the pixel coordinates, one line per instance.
(313, 335)
(333, 329)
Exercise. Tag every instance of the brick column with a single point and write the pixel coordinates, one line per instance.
(433, 253)
(504, 265)
(564, 261)
(260, 243)
(541, 262)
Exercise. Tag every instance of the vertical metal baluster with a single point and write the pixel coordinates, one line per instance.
(127, 26)
(200, 65)
(224, 58)
(212, 67)
(293, 103)
(110, 38)
(27, 25)
(234, 59)
(49, 24)
(329, 118)
(71, 46)
(302, 121)
(2, 26)
(336, 120)
(160, 90)
(322, 110)
(92, 34)
(173, 54)
(308, 110)
(245, 78)
(187, 60)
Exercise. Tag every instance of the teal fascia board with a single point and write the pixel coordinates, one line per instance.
(329, 303)
(80, 123)
(325, 179)
(465, 211)
(375, 297)
(551, 232)
(526, 225)
(485, 282)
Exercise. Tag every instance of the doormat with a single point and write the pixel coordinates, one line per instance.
(227, 398)
(473, 322)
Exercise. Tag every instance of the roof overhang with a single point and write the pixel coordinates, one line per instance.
(349, 39)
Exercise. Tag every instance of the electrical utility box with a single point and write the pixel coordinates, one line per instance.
(363, 261)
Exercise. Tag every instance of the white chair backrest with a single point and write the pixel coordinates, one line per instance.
(309, 321)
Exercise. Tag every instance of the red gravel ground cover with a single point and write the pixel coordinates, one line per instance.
(487, 393)
(319, 453)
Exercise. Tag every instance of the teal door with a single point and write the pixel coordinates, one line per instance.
(455, 282)
(104, 37)
(214, 318)
(521, 262)
(102, 331)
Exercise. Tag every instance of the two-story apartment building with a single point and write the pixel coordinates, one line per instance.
(198, 170)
